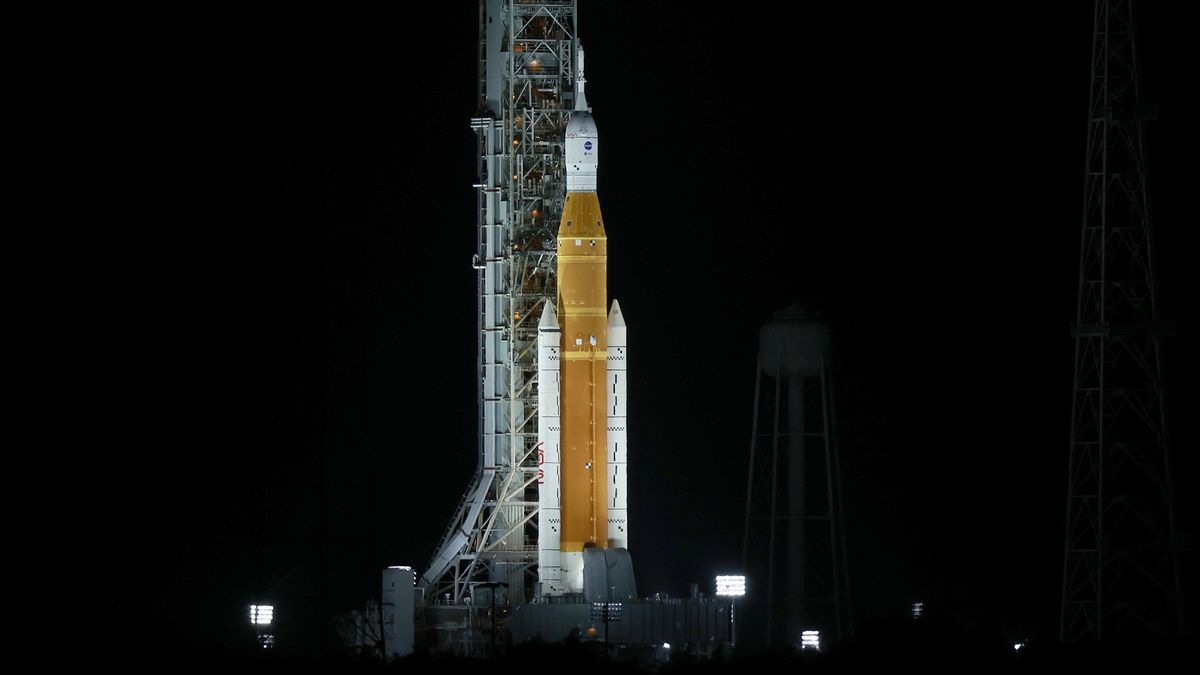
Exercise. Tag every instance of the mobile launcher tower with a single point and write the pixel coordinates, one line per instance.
(544, 519)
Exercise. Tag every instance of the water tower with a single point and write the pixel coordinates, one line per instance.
(794, 546)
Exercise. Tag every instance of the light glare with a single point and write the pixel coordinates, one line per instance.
(731, 585)
(262, 614)
(810, 639)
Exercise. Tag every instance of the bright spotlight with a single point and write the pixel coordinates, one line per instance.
(918, 608)
(606, 611)
(731, 585)
(262, 615)
(810, 639)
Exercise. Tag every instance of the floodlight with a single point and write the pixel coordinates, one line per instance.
(731, 585)
(262, 615)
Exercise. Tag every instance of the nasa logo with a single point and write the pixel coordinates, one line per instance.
(587, 145)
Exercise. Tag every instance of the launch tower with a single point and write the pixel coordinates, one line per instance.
(527, 88)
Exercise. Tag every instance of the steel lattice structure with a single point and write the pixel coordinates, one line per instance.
(526, 83)
(1121, 574)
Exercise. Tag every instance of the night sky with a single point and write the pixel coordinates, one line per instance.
(283, 307)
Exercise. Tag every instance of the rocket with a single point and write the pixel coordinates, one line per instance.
(582, 351)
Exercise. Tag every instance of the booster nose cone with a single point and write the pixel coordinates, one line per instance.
(549, 320)
(615, 318)
(583, 152)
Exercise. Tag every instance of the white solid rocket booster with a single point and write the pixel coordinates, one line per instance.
(549, 426)
(618, 455)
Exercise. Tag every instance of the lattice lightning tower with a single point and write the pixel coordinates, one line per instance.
(1121, 574)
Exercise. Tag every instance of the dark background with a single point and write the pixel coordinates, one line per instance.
(282, 374)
